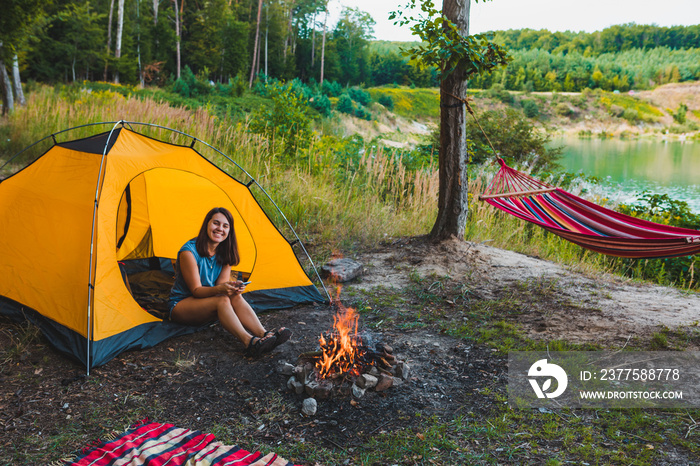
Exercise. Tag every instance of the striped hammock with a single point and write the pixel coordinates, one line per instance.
(584, 223)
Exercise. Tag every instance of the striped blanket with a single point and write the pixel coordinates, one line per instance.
(156, 444)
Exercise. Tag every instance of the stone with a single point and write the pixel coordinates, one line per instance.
(309, 407)
(357, 392)
(285, 369)
(323, 390)
(373, 371)
(402, 370)
(396, 382)
(384, 348)
(384, 382)
(366, 381)
(342, 270)
(294, 385)
(310, 387)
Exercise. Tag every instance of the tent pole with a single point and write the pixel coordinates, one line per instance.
(91, 286)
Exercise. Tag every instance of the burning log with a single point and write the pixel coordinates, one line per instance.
(345, 363)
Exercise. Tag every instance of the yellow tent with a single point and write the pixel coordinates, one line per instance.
(73, 215)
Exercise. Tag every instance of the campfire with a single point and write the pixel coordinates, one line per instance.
(345, 363)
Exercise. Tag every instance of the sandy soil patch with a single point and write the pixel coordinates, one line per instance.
(604, 309)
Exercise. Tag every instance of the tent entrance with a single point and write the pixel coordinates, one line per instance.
(149, 281)
(159, 211)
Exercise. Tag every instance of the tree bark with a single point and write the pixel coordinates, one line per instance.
(453, 208)
(155, 12)
(177, 39)
(323, 47)
(313, 40)
(120, 31)
(8, 103)
(255, 46)
(109, 38)
(17, 81)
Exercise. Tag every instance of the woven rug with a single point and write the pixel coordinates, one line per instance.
(155, 444)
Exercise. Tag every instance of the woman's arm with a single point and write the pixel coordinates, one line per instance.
(190, 273)
(235, 286)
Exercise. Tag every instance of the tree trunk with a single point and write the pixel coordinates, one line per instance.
(453, 208)
(142, 81)
(313, 40)
(288, 36)
(155, 12)
(109, 38)
(323, 47)
(120, 31)
(8, 103)
(255, 46)
(19, 95)
(177, 39)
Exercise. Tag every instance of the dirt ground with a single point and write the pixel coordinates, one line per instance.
(203, 382)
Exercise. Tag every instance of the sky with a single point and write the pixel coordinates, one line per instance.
(555, 15)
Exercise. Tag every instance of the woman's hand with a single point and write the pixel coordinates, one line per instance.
(231, 288)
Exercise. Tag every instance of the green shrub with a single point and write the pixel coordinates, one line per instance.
(362, 112)
(563, 109)
(386, 101)
(360, 96)
(530, 108)
(514, 138)
(288, 117)
(321, 103)
(630, 115)
(238, 85)
(680, 115)
(497, 91)
(331, 89)
(189, 86)
(661, 208)
(345, 105)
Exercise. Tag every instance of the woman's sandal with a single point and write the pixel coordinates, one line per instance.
(281, 335)
(258, 346)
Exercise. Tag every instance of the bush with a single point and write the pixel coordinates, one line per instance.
(630, 115)
(386, 101)
(360, 96)
(497, 91)
(321, 103)
(661, 208)
(288, 116)
(345, 105)
(361, 112)
(331, 89)
(563, 109)
(189, 86)
(530, 108)
(680, 114)
(514, 138)
(238, 85)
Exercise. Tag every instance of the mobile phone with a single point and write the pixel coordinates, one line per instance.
(245, 283)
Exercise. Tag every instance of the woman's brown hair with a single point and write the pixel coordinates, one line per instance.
(227, 251)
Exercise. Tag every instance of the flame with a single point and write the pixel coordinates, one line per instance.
(340, 351)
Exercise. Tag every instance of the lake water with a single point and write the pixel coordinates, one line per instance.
(628, 167)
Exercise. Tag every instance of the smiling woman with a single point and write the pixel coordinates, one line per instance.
(204, 291)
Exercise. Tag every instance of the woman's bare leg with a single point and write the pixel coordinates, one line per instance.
(198, 311)
(247, 315)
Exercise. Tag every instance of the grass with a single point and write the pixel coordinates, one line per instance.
(336, 203)
(419, 103)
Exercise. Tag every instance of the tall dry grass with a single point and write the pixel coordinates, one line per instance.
(380, 200)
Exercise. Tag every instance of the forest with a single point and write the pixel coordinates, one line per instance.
(153, 42)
